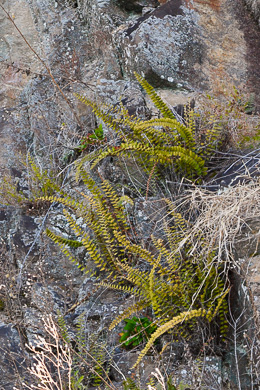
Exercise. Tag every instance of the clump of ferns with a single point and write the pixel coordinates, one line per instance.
(37, 182)
(103, 212)
(180, 285)
(90, 364)
(156, 143)
(174, 278)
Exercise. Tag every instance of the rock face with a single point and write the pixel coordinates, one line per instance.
(13, 358)
(93, 47)
(254, 6)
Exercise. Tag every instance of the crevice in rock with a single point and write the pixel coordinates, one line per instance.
(251, 34)
(136, 6)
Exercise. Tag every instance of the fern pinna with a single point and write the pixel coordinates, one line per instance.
(158, 142)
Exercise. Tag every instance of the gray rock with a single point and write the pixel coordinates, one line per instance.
(93, 47)
(164, 45)
(13, 359)
(254, 6)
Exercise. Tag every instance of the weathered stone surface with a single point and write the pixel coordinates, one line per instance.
(15, 53)
(136, 5)
(247, 242)
(93, 47)
(93, 44)
(253, 279)
(164, 44)
(125, 361)
(254, 6)
(13, 359)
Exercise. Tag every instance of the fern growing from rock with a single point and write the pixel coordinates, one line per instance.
(172, 278)
(161, 142)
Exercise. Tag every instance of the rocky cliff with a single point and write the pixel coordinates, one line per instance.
(51, 49)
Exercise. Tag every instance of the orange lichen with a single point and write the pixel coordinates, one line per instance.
(214, 4)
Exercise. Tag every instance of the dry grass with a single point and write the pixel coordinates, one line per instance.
(221, 216)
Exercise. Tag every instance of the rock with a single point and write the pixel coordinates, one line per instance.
(244, 169)
(149, 218)
(43, 297)
(170, 31)
(253, 280)
(13, 359)
(254, 6)
(33, 325)
(136, 5)
(93, 47)
(100, 304)
(124, 362)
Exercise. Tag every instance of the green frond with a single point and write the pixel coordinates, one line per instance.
(62, 240)
(137, 277)
(159, 245)
(183, 317)
(41, 181)
(129, 384)
(212, 314)
(164, 155)
(81, 334)
(86, 241)
(172, 128)
(109, 120)
(66, 252)
(151, 287)
(63, 328)
(113, 198)
(66, 201)
(157, 101)
(126, 289)
(9, 193)
(137, 250)
(138, 306)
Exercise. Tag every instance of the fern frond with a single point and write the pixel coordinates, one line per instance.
(113, 198)
(138, 250)
(137, 277)
(138, 306)
(185, 316)
(106, 118)
(86, 241)
(66, 201)
(62, 240)
(157, 101)
(126, 289)
(63, 327)
(212, 314)
(161, 155)
(152, 289)
(81, 333)
(66, 252)
(41, 180)
(169, 124)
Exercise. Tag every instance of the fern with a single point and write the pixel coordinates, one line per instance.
(185, 316)
(158, 102)
(174, 278)
(103, 213)
(63, 327)
(163, 141)
(39, 183)
(187, 286)
(62, 240)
